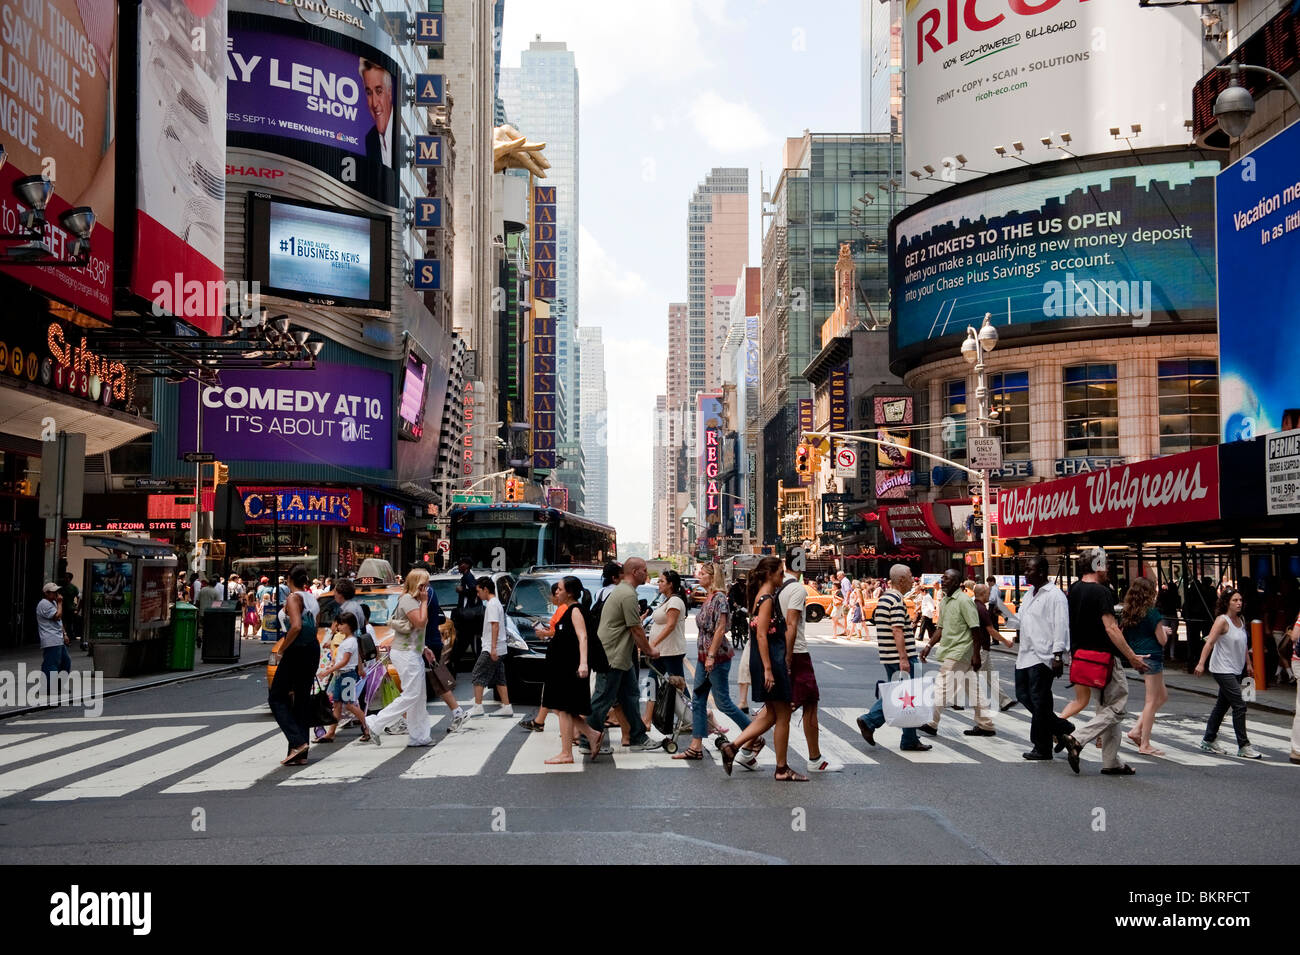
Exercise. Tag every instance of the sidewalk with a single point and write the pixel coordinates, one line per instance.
(13, 701)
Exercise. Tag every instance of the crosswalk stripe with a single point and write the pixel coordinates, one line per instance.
(18, 780)
(465, 752)
(44, 745)
(765, 757)
(634, 757)
(348, 763)
(888, 739)
(239, 771)
(11, 738)
(538, 748)
(833, 747)
(151, 769)
(1016, 724)
(141, 717)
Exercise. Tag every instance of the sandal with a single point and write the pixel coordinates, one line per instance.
(295, 754)
(325, 739)
(599, 745)
(784, 774)
(728, 751)
(690, 753)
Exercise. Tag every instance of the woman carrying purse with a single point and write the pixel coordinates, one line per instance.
(408, 653)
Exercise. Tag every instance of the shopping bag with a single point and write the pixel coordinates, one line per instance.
(388, 691)
(908, 703)
(1248, 690)
(322, 708)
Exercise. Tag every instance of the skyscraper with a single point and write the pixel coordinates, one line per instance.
(717, 230)
(593, 425)
(677, 420)
(882, 66)
(541, 99)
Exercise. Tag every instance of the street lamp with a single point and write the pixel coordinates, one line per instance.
(1235, 106)
(973, 349)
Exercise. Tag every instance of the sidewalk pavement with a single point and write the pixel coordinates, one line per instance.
(253, 653)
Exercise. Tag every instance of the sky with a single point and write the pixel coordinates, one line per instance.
(669, 90)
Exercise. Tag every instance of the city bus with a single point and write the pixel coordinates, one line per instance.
(528, 535)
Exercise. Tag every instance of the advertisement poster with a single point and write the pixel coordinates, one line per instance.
(1117, 248)
(986, 75)
(319, 251)
(888, 456)
(893, 411)
(58, 70)
(1259, 290)
(892, 484)
(180, 181)
(332, 414)
(157, 591)
(110, 594)
(1282, 475)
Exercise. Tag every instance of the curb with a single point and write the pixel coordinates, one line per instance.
(180, 677)
(1263, 707)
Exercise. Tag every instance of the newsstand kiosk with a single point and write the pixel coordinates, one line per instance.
(129, 596)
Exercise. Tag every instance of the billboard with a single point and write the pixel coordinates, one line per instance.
(56, 106)
(890, 456)
(997, 72)
(1259, 290)
(180, 178)
(1115, 247)
(340, 415)
(708, 441)
(318, 254)
(330, 105)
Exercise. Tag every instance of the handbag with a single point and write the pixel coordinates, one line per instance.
(908, 703)
(438, 679)
(322, 708)
(398, 622)
(1090, 668)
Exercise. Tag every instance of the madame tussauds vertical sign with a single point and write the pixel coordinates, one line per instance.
(333, 415)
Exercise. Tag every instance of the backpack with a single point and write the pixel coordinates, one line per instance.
(366, 648)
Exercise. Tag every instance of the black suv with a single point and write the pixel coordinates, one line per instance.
(529, 608)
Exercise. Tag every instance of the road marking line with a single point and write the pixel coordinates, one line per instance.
(889, 738)
(48, 744)
(465, 752)
(139, 717)
(151, 769)
(634, 757)
(829, 664)
(240, 771)
(832, 746)
(538, 748)
(11, 738)
(350, 764)
(18, 780)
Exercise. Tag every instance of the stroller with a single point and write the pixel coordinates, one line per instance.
(672, 712)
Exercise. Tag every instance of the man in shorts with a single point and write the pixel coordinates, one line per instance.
(793, 599)
(490, 667)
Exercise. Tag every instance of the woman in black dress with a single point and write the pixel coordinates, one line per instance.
(567, 690)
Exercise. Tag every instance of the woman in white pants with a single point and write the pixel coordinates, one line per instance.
(408, 652)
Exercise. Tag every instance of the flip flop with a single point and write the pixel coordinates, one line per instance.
(600, 744)
(690, 753)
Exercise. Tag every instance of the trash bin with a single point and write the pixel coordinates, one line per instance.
(184, 627)
(221, 643)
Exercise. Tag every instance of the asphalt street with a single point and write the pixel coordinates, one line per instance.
(189, 774)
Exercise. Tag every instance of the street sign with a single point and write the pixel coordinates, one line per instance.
(444, 545)
(985, 453)
(846, 463)
(471, 499)
(199, 457)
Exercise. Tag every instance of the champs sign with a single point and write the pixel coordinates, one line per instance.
(1180, 489)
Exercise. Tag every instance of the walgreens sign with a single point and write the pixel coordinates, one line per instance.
(1179, 489)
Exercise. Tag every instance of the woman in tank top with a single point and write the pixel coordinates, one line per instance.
(290, 692)
(1226, 651)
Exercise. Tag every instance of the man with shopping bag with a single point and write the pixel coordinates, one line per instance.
(959, 624)
(897, 645)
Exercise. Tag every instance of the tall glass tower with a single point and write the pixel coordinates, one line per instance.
(541, 99)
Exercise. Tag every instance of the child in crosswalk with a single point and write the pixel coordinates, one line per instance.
(345, 675)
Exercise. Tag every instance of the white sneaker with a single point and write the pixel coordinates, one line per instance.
(824, 765)
(1249, 752)
(476, 709)
(749, 759)
(1213, 747)
(653, 740)
(458, 718)
(506, 710)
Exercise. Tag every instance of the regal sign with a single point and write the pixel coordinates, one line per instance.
(1179, 489)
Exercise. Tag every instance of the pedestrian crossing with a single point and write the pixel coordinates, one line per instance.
(53, 764)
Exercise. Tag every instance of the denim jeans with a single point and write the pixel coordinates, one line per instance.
(875, 717)
(617, 686)
(55, 659)
(1229, 697)
(715, 683)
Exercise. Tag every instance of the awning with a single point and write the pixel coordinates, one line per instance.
(23, 413)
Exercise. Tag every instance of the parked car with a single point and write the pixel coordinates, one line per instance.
(529, 608)
(468, 623)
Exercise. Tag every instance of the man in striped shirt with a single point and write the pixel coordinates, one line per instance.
(897, 645)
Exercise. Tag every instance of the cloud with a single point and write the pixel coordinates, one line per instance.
(728, 127)
(606, 289)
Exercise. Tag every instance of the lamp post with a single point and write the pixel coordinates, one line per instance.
(1234, 108)
(973, 349)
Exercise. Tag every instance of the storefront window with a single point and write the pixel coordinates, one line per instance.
(1091, 403)
(1010, 396)
(954, 408)
(1189, 404)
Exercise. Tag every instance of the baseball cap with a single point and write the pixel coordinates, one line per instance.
(49, 585)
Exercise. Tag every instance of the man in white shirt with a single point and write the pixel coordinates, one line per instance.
(793, 599)
(1044, 637)
(490, 667)
(54, 641)
(846, 586)
(998, 606)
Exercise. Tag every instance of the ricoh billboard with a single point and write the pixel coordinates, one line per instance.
(989, 73)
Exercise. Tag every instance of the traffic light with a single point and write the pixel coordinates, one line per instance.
(514, 489)
(976, 501)
(801, 459)
(220, 473)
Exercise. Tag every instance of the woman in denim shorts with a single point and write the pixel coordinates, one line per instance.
(1146, 633)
